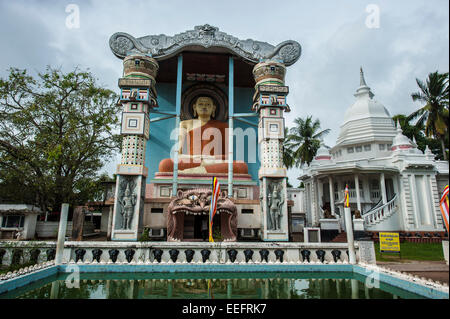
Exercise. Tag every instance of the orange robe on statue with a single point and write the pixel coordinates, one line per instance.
(209, 146)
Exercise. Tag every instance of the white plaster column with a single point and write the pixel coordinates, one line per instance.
(358, 195)
(383, 188)
(415, 203)
(349, 231)
(330, 182)
(110, 222)
(320, 193)
(61, 233)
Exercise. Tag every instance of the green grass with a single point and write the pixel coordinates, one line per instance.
(413, 251)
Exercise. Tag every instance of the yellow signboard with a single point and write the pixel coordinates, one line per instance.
(389, 242)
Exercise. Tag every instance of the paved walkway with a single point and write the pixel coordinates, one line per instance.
(435, 270)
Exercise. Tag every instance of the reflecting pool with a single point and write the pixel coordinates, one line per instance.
(307, 285)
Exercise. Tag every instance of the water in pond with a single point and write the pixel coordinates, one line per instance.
(208, 285)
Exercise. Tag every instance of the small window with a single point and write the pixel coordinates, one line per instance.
(134, 106)
(137, 62)
(156, 211)
(13, 221)
(367, 147)
(350, 150)
(381, 146)
(132, 123)
(247, 211)
(155, 232)
(242, 193)
(389, 146)
(273, 127)
(164, 192)
(358, 149)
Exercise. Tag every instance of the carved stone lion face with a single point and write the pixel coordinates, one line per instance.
(198, 201)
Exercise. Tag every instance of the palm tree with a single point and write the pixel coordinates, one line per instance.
(434, 114)
(288, 154)
(304, 140)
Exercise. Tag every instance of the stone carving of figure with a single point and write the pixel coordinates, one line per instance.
(275, 203)
(206, 141)
(127, 202)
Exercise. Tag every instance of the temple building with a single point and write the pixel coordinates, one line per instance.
(393, 186)
(198, 105)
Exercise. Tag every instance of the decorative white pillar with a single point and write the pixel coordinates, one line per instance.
(383, 188)
(110, 220)
(320, 193)
(358, 195)
(330, 182)
(270, 102)
(350, 241)
(61, 234)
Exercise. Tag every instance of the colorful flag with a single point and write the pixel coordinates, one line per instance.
(346, 197)
(443, 204)
(213, 206)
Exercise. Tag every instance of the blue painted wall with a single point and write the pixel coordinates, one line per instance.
(160, 144)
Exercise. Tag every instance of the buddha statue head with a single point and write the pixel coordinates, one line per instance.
(204, 107)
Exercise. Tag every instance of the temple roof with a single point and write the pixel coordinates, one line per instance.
(162, 47)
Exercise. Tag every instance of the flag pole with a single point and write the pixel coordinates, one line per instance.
(349, 227)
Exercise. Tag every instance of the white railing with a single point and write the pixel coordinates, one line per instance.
(380, 213)
(351, 193)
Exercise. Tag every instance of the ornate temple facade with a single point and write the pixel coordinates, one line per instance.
(393, 186)
(197, 105)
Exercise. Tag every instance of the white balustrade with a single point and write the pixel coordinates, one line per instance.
(377, 215)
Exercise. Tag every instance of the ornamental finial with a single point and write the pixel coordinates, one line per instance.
(362, 81)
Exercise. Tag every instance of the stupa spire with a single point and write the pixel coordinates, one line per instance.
(362, 81)
(363, 89)
(399, 128)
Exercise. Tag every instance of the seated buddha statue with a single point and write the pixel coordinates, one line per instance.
(204, 141)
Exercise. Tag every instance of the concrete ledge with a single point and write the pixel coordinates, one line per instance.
(402, 283)
(27, 279)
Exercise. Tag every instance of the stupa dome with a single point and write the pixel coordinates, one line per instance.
(400, 141)
(366, 120)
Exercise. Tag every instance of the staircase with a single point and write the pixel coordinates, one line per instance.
(380, 214)
(340, 238)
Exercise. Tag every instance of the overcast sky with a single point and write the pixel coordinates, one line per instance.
(411, 41)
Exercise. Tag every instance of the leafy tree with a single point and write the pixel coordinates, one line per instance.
(56, 130)
(304, 140)
(434, 114)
